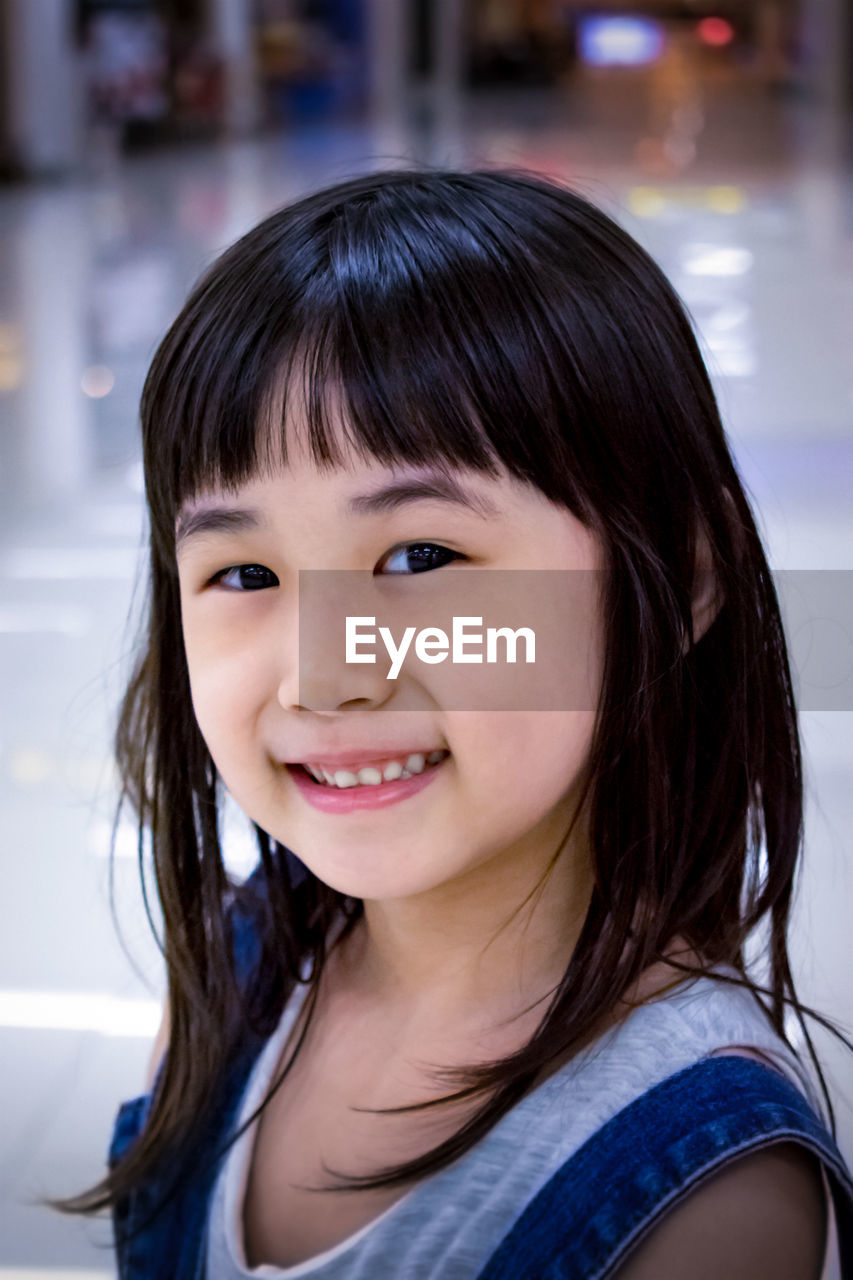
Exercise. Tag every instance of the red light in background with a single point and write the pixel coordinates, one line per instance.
(716, 31)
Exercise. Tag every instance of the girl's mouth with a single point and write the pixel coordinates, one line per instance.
(361, 790)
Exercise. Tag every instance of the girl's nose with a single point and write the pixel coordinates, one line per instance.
(338, 660)
(314, 674)
(315, 684)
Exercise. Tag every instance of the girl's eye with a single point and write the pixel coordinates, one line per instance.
(247, 577)
(420, 557)
(417, 557)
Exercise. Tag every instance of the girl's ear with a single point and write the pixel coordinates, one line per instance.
(706, 600)
(707, 597)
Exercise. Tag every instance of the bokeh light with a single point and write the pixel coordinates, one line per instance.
(620, 41)
(97, 381)
(717, 32)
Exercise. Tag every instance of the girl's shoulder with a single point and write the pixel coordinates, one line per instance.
(693, 1177)
(698, 1020)
(762, 1216)
(694, 1018)
(720, 1013)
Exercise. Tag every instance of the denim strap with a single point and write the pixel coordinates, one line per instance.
(649, 1156)
(170, 1244)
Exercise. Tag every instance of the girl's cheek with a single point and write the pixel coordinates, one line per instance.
(227, 689)
(220, 638)
(545, 745)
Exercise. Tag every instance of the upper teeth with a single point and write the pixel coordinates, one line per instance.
(370, 776)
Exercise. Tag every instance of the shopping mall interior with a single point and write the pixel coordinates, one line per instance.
(139, 138)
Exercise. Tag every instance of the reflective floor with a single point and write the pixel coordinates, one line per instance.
(744, 200)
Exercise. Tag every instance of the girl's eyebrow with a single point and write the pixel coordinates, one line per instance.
(434, 486)
(209, 519)
(399, 493)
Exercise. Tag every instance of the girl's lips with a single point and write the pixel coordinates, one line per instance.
(347, 799)
(355, 760)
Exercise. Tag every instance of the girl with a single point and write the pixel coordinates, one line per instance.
(484, 1007)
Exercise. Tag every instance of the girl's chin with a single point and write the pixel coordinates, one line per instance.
(355, 870)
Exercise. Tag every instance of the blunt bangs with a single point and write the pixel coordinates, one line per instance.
(442, 319)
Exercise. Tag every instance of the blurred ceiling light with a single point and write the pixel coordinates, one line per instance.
(97, 381)
(716, 260)
(30, 766)
(9, 336)
(731, 355)
(725, 199)
(730, 316)
(11, 364)
(646, 202)
(79, 1011)
(735, 362)
(716, 32)
(135, 477)
(10, 371)
(621, 40)
(100, 838)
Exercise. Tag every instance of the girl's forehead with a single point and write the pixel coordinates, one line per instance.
(366, 487)
(354, 476)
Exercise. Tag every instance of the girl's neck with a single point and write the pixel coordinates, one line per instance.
(463, 959)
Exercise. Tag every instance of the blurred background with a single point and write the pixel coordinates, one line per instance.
(137, 139)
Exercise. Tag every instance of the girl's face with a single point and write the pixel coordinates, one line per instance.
(505, 794)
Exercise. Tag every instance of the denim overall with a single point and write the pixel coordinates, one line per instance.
(583, 1222)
